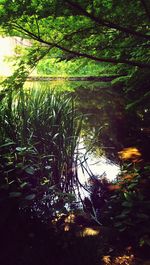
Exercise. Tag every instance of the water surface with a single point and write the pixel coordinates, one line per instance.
(107, 127)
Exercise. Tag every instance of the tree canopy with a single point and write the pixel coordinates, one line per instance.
(109, 31)
(43, 215)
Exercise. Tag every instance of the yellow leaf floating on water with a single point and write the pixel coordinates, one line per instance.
(88, 231)
(120, 260)
(106, 260)
(130, 153)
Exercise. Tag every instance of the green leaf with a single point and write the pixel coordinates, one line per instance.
(7, 144)
(127, 204)
(122, 229)
(15, 194)
(21, 149)
(143, 216)
(126, 211)
(118, 224)
(128, 195)
(23, 184)
(124, 214)
(30, 197)
(133, 185)
(30, 170)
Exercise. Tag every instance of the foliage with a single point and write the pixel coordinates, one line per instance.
(38, 135)
(102, 31)
(125, 205)
(137, 90)
(120, 81)
(39, 129)
(53, 67)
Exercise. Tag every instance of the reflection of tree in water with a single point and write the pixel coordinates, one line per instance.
(104, 119)
(107, 126)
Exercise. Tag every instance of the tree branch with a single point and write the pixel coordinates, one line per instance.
(107, 23)
(84, 55)
(106, 60)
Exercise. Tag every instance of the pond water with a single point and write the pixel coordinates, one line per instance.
(107, 127)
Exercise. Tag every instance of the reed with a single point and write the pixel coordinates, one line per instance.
(39, 132)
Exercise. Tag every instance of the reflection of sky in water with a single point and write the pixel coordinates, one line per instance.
(95, 166)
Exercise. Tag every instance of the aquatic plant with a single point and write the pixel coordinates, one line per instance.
(39, 132)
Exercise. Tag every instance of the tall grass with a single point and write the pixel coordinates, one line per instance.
(39, 132)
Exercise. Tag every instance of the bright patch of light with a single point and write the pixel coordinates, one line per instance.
(91, 165)
(6, 49)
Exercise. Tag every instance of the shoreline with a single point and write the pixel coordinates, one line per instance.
(77, 78)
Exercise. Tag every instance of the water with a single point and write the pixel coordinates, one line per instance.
(100, 116)
(95, 165)
(107, 127)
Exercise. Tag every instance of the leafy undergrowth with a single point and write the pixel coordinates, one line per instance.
(27, 241)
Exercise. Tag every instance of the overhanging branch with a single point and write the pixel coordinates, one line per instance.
(107, 23)
(81, 54)
(106, 60)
